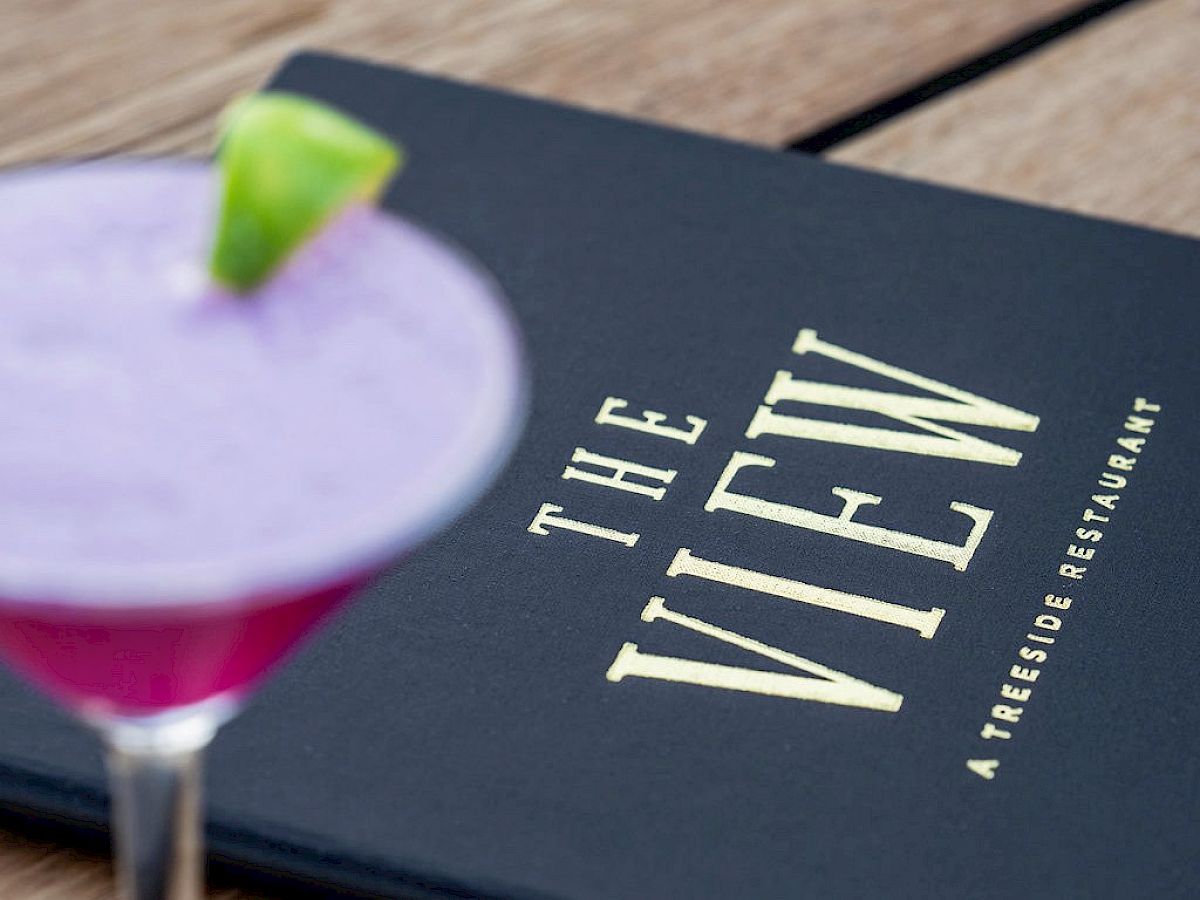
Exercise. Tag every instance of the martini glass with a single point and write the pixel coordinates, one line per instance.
(191, 480)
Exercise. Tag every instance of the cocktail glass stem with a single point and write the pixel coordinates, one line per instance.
(157, 811)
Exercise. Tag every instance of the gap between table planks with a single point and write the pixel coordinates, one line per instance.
(1105, 121)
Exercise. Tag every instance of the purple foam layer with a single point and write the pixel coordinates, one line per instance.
(164, 440)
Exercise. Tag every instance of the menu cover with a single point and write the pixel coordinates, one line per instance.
(849, 549)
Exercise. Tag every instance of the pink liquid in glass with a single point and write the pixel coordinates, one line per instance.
(190, 481)
(134, 661)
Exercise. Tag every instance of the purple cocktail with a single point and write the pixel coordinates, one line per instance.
(191, 479)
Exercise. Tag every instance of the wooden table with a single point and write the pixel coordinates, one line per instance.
(1104, 118)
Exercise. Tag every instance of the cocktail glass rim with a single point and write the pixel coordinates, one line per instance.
(482, 453)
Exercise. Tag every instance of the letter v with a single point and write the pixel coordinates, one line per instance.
(824, 686)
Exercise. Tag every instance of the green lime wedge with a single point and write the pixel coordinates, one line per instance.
(288, 165)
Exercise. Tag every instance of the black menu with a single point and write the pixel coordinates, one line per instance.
(849, 550)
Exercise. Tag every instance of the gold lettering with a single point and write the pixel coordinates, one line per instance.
(620, 469)
(984, 768)
(990, 731)
(1108, 501)
(1066, 570)
(1024, 674)
(917, 412)
(1081, 552)
(1090, 515)
(1057, 602)
(1141, 404)
(1007, 713)
(1011, 692)
(923, 621)
(546, 518)
(1132, 444)
(1113, 481)
(650, 422)
(1140, 424)
(825, 686)
(1032, 655)
(1047, 622)
(843, 524)
(1122, 463)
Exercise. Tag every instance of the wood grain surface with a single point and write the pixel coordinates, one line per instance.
(37, 869)
(1105, 121)
(95, 76)
(32, 870)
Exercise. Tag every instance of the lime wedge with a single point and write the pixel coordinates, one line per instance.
(288, 165)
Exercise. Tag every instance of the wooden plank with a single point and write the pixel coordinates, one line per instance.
(31, 870)
(93, 76)
(1105, 121)
(40, 870)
